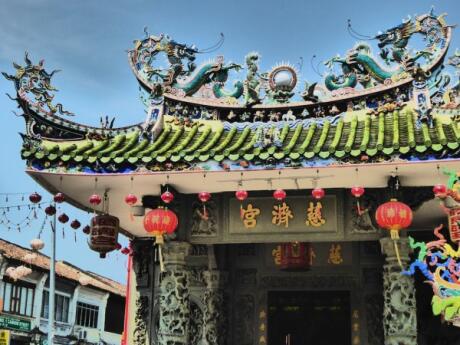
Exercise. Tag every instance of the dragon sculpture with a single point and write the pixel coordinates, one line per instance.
(361, 66)
(33, 85)
(177, 77)
(438, 261)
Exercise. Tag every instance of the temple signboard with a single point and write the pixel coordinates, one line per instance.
(294, 218)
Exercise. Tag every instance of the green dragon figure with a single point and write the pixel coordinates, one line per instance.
(360, 66)
(176, 76)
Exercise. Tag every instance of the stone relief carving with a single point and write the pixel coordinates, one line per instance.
(213, 301)
(399, 310)
(196, 324)
(174, 308)
(142, 252)
(374, 311)
(196, 276)
(244, 320)
(204, 220)
(199, 250)
(362, 219)
(140, 320)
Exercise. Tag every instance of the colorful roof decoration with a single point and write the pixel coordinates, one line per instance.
(395, 104)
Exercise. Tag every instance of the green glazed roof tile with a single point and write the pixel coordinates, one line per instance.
(395, 132)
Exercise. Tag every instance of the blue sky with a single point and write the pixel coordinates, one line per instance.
(88, 39)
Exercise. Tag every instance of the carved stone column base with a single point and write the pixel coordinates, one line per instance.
(399, 311)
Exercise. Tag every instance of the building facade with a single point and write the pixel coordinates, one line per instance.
(271, 246)
(89, 308)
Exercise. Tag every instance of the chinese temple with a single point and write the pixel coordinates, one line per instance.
(266, 210)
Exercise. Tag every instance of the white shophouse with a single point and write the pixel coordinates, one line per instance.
(89, 308)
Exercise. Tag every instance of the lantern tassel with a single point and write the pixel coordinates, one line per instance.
(159, 242)
(395, 237)
(160, 254)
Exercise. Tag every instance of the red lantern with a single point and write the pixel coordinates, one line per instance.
(86, 230)
(167, 197)
(295, 256)
(241, 194)
(95, 199)
(63, 218)
(131, 199)
(75, 224)
(318, 193)
(160, 221)
(394, 216)
(59, 198)
(439, 189)
(204, 196)
(279, 194)
(118, 246)
(103, 234)
(50, 210)
(35, 198)
(357, 191)
(125, 251)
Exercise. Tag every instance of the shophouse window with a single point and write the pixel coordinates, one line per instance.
(87, 315)
(61, 307)
(18, 298)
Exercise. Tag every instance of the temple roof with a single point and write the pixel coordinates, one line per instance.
(357, 136)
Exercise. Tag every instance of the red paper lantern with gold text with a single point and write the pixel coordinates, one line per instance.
(160, 221)
(394, 216)
(295, 256)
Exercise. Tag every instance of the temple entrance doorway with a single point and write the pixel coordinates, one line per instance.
(309, 318)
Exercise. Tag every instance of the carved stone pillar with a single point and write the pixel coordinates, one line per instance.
(213, 304)
(174, 296)
(399, 311)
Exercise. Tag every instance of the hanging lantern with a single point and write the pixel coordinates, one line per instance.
(35, 198)
(118, 246)
(87, 229)
(241, 194)
(37, 244)
(131, 199)
(394, 216)
(167, 197)
(95, 199)
(204, 196)
(158, 222)
(59, 198)
(103, 237)
(63, 218)
(279, 194)
(125, 251)
(295, 256)
(75, 224)
(439, 189)
(50, 210)
(318, 193)
(357, 191)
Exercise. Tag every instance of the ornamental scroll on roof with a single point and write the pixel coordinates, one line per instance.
(232, 113)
